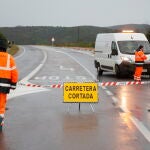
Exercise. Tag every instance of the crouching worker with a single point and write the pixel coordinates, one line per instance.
(139, 61)
(8, 76)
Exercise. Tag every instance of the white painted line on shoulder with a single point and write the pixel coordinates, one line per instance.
(141, 127)
(109, 93)
(36, 69)
(21, 53)
(115, 100)
(103, 87)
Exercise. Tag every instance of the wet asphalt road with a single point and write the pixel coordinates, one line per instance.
(42, 121)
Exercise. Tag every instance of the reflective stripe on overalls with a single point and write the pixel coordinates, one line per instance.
(5, 81)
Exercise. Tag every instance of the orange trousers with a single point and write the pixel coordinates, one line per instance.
(137, 74)
(2, 103)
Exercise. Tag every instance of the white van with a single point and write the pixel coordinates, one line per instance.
(115, 52)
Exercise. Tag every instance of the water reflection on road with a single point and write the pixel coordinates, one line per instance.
(80, 131)
(2, 141)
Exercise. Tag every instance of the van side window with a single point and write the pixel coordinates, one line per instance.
(114, 48)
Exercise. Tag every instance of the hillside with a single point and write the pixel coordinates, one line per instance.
(43, 35)
(25, 35)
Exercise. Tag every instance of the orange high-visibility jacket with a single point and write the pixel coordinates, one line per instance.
(139, 58)
(8, 73)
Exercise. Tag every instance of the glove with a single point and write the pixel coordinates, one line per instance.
(13, 86)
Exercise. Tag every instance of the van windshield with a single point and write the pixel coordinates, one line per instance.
(129, 47)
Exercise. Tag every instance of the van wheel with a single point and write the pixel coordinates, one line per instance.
(96, 64)
(117, 71)
(99, 71)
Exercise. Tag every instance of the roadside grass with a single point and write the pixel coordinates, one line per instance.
(78, 44)
(13, 49)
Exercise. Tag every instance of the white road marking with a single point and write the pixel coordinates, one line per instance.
(115, 100)
(109, 93)
(62, 79)
(53, 78)
(103, 87)
(141, 127)
(81, 78)
(138, 124)
(36, 69)
(21, 53)
(91, 74)
(64, 68)
(22, 90)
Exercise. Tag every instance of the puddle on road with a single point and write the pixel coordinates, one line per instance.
(79, 122)
(2, 141)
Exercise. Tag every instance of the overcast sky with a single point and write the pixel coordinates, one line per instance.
(67, 13)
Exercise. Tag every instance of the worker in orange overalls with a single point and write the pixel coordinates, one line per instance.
(139, 61)
(8, 76)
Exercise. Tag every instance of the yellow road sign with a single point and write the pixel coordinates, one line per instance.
(80, 92)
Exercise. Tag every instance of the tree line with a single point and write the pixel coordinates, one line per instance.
(83, 36)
